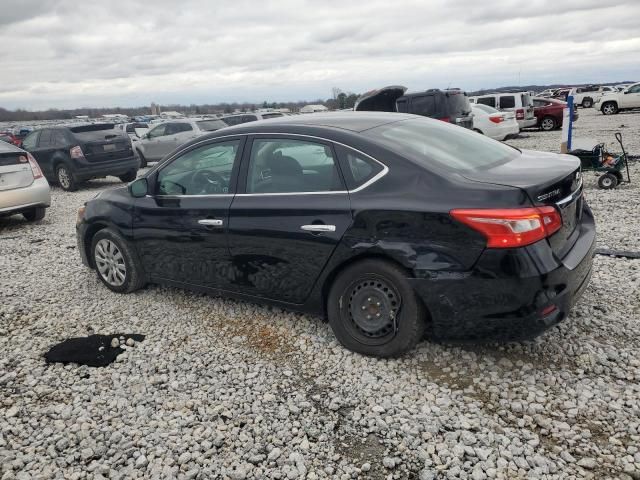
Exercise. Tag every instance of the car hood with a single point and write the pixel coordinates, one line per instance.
(381, 100)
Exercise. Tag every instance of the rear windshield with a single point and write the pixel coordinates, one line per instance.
(97, 132)
(211, 125)
(429, 142)
(458, 104)
(92, 127)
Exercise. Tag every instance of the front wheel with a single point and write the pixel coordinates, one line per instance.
(34, 214)
(116, 263)
(610, 108)
(548, 124)
(65, 178)
(130, 176)
(607, 181)
(373, 310)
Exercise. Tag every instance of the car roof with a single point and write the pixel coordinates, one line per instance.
(352, 121)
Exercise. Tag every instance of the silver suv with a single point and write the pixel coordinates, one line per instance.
(165, 137)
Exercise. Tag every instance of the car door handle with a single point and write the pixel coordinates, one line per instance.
(318, 228)
(211, 222)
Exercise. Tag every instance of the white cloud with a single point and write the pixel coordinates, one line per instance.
(68, 54)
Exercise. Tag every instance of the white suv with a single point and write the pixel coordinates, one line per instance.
(612, 103)
(518, 102)
(587, 96)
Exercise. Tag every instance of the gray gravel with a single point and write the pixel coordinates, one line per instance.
(225, 389)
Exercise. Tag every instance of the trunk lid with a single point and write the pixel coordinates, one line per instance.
(381, 100)
(547, 179)
(102, 142)
(15, 171)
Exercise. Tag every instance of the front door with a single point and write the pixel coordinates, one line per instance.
(286, 223)
(43, 152)
(180, 231)
(630, 98)
(153, 142)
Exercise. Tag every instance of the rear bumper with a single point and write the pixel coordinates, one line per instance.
(510, 294)
(22, 199)
(528, 122)
(84, 170)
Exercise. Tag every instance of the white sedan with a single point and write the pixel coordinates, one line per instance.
(493, 123)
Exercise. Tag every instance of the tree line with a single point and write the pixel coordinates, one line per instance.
(339, 100)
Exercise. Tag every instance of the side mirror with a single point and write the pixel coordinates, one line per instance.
(139, 188)
(626, 91)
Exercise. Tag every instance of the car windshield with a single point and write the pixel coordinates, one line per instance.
(211, 125)
(433, 143)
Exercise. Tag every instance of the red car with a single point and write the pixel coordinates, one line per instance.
(548, 112)
(10, 138)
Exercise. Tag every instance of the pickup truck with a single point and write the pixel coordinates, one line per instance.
(614, 102)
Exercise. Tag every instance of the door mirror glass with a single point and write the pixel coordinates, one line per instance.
(139, 188)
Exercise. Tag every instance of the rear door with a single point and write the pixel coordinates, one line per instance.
(44, 150)
(291, 214)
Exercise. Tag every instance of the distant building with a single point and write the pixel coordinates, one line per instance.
(313, 109)
(155, 109)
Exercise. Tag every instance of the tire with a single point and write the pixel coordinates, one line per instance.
(65, 179)
(477, 130)
(110, 254)
(619, 177)
(368, 289)
(607, 181)
(130, 176)
(587, 102)
(35, 214)
(143, 161)
(609, 108)
(548, 123)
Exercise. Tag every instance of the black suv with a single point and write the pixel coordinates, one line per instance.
(69, 155)
(447, 105)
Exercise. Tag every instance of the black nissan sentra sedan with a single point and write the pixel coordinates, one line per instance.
(391, 225)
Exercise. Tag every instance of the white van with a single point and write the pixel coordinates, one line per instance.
(517, 102)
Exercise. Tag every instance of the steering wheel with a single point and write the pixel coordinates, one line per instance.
(207, 182)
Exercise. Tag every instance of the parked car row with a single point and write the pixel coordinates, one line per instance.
(517, 102)
(614, 102)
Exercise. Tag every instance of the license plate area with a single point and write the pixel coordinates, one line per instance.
(110, 147)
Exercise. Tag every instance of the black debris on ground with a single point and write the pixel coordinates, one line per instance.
(93, 351)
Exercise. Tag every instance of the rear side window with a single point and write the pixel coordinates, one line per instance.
(423, 105)
(30, 141)
(508, 102)
(441, 145)
(359, 168)
(249, 118)
(491, 101)
(59, 138)
(402, 106)
(292, 166)
(211, 125)
(232, 120)
(46, 139)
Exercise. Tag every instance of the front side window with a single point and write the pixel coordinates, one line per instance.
(634, 89)
(159, 131)
(249, 118)
(46, 138)
(232, 120)
(178, 128)
(508, 102)
(491, 101)
(59, 138)
(205, 170)
(292, 166)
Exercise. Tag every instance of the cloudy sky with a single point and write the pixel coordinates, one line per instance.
(70, 53)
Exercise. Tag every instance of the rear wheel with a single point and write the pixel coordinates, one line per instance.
(143, 161)
(608, 181)
(130, 176)
(610, 108)
(373, 310)
(65, 178)
(34, 214)
(587, 103)
(548, 124)
(116, 263)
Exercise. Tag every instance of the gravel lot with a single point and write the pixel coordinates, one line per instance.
(225, 389)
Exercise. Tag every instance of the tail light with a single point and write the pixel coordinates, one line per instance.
(35, 168)
(511, 227)
(520, 114)
(445, 119)
(497, 119)
(76, 152)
